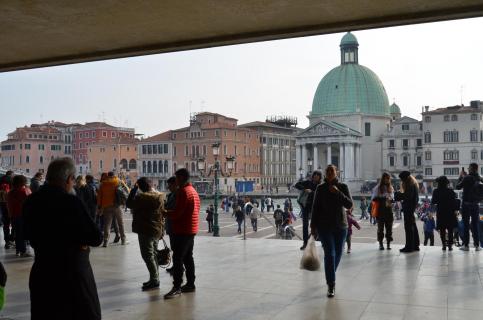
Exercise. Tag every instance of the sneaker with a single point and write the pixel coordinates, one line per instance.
(174, 293)
(477, 248)
(464, 248)
(348, 251)
(151, 285)
(188, 288)
(331, 291)
(116, 239)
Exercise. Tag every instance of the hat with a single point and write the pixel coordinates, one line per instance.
(404, 175)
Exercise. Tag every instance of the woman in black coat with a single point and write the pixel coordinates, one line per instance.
(445, 200)
(410, 198)
(329, 222)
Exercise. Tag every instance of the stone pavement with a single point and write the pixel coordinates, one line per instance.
(261, 279)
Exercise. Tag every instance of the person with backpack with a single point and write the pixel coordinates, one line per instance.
(446, 204)
(5, 186)
(239, 217)
(472, 194)
(254, 214)
(109, 200)
(305, 200)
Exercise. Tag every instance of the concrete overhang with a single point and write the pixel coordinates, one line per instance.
(54, 32)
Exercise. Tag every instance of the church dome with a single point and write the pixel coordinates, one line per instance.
(395, 109)
(350, 88)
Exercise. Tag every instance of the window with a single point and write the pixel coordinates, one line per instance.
(450, 136)
(418, 161)
(186, 150)
(405, 161)
(113, 134)
(27, 159)
(450, 171)
(427, 155)
(104, 134)
(155, 167)
(405, 143)
(391, 161)
(150, 149)
(405, 127)
(451, 155)
(474, 135)
(419, 143)
(428, 171)
(224, 149)
(186, 135)
(474, 155)
(174, 151)
(132, 164)
(217, 133)
(427, 137)
(155, 149)
(41, 147)
(204, 150)
(224, 133)
(391, 144)
(149, 166)
(446, 117)
(144, 166)
(145, 149)
(367, 129)
(454, 117)
(165, 148)
(165, 166)
(474, 116)
(27, 146)
(41, 159)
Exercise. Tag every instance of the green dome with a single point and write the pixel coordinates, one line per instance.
(350, 88)
(395, 109)
(349, 39)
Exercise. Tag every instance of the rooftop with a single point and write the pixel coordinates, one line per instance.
(261, 279)
(164, 136)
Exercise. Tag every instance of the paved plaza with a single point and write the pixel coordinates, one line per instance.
(261, 279)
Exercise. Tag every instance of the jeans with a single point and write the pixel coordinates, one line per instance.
(429, 236)
(470, 210)
(254, 224)
(333, 244)
(182, 246)
(210, 225)
(109, 213)
(17, 225)
(239, 225)
(148, 247)
(305, 225)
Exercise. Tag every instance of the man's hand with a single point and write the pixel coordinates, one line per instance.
(333, 189)
(308, 190)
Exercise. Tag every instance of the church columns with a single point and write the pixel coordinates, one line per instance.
(342, 160)
(349, 162)
(298, 159)
(304, 159)
(359, 162)
(329, 154)
(316, 158)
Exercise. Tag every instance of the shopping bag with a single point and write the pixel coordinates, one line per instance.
(310, 258)
(164, 255)
(375, 209)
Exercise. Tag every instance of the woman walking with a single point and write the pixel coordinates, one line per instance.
(445, 200)
(15, 200)
(382, 195)
(409, 197)
(329, 222)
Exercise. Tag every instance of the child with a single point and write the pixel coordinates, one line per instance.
(429, 226)
(350, 222)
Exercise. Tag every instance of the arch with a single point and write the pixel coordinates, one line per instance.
(132, 164)
(123, 164)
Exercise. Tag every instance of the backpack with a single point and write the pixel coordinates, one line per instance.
(254, 213)
(120, 196)
(278, 215)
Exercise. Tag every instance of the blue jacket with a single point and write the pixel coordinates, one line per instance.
(429, 224)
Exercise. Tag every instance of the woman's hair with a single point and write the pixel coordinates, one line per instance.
(19, 181)
(330, 167)
(145, 184)
(388, 185)
(408, 182)
(80, 181)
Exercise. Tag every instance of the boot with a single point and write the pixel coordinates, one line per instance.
(388, 245)
(381, 246)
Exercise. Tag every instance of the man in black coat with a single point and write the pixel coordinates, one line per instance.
(410, 199)
(308, 187)
(59, 228)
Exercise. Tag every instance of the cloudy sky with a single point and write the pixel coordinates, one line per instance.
(436, 64)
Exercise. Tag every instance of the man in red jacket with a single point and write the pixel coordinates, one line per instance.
(184, 226)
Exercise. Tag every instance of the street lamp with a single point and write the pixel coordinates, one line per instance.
(310, 162)
(216, 168)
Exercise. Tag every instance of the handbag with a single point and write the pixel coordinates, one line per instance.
(164, 255)
(310, 259)
(375, 208)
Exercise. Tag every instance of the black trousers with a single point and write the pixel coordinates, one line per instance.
(305, 224)
(385, 220)
(411, 231)
(8, 234)
(182, 246)
(446, 242)
(429, 236)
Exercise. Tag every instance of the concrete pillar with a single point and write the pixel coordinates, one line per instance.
(298, 159)
(359, 161)
(342, 160)
(349, 164)
(316, 157)
(329, 154)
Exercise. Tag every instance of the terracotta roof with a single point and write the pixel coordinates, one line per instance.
(164, 136)
(453, 109)
(207, 113)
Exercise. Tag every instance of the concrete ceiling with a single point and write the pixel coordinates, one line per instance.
(54, 32)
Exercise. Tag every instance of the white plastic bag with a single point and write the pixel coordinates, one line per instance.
(310, 259)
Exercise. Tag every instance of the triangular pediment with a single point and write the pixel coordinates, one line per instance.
(328, 128)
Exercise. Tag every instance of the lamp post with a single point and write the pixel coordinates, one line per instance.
(309, 162)
(217, 170)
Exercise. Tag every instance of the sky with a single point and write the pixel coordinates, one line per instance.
(436, 64)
